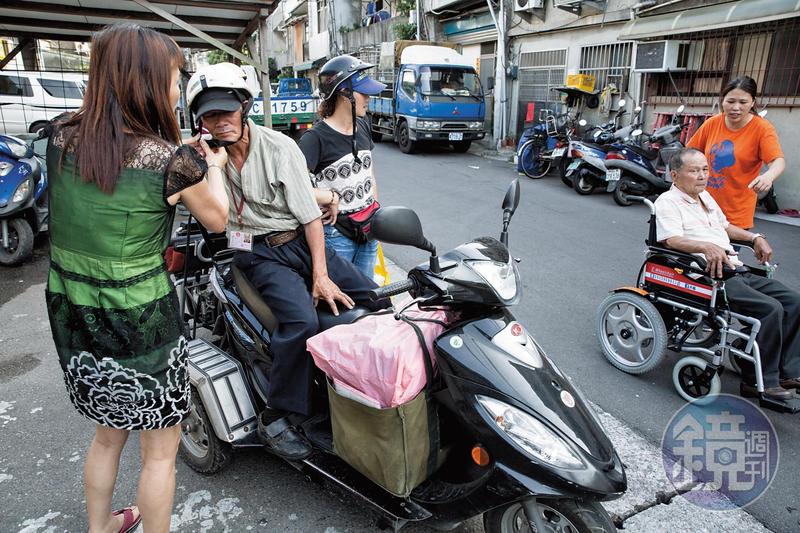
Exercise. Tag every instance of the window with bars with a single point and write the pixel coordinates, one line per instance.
(608, 63)
(539, 72)
(769, 53)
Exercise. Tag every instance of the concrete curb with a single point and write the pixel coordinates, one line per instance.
(651, 504)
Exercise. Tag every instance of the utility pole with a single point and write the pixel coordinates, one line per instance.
(417, 13)
(500, 129)
(263, 54)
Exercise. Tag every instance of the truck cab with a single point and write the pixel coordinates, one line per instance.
(293, 107)
(436, 97)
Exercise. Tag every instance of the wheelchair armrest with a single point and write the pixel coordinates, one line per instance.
(688, 258)
(743, 244)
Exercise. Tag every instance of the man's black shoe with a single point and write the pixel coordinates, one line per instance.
(773, 393)
(283, 440)
(790, 383)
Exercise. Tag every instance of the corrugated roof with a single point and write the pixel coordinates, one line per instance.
(229, 21)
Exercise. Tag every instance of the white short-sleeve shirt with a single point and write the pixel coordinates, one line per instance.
(679, 215)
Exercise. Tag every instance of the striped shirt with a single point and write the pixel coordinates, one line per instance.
(274, 180)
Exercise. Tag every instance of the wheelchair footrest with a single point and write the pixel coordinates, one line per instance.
(781, 406)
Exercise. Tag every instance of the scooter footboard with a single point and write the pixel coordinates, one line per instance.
(226, 396)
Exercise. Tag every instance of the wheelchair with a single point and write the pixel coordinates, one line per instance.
(677, 306)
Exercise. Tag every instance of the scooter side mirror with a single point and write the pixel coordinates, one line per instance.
(399, 225)
(582, 122)
(511, 200)
(680, 109)
(621, 103)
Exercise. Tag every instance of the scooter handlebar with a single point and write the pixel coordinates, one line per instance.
(398, 287)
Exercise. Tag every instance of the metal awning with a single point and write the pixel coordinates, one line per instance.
(228, 21)
(712, 17)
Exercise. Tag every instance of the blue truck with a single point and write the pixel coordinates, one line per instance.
(433, 95)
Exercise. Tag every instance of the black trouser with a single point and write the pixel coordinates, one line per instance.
(283, 277)
(778, 309)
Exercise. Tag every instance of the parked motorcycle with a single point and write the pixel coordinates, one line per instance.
(518, 443)
(544, 144)
(596, 141)
(23, 200)
(642, 170)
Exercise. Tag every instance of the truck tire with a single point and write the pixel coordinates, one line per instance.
(376, 135)
(407, 146)
(461, 146)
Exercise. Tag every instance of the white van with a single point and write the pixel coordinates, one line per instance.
(29, 99)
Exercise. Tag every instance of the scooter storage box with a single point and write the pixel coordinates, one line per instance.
(219, 379)
(396, 447)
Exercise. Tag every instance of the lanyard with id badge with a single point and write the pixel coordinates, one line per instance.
(239, 240)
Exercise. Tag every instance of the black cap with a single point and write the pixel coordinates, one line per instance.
(225, 100)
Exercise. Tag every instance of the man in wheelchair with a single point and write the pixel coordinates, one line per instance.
(689, 220)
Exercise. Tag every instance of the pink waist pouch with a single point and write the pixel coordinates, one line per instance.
(379, 357)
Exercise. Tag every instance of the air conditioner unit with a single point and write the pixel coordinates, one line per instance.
(527, 5)
(661, 56)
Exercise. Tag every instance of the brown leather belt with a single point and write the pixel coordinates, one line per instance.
(279, 238)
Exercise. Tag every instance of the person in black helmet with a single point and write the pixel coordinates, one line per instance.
(338, 155)
(275, 225)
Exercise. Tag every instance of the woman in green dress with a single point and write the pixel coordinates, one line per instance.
(116, 172)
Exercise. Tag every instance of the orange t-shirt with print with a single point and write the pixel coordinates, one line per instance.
(735, 159)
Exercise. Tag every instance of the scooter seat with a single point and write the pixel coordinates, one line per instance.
(647, 154)
(253, 300)
(327, 319)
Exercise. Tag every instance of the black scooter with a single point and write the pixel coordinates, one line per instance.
(519, 444)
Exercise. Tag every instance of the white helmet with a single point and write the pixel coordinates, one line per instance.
(220, 87)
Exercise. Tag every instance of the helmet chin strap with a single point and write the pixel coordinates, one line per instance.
(351, 96)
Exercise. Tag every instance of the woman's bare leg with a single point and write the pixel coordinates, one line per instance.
(100, 476)
(157, 481)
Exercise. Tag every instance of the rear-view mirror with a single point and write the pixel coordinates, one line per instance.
(399, 225)
(680, 109)
(511, 200)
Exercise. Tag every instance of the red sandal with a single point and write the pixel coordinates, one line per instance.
(129, 523)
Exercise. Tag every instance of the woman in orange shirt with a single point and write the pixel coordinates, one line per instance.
(738, 143)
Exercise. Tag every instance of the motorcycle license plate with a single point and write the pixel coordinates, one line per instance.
(558, 152)
(455, 137)
(572, 166)
(613, 174)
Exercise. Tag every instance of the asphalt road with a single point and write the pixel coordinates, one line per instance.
(573, 250)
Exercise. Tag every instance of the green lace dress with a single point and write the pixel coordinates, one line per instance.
(112, 307)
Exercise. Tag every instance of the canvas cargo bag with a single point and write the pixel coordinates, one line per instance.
(397, 448)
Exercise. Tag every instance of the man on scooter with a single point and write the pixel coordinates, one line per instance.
(689, 220)
(275, 226)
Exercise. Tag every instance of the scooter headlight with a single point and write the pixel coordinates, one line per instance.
(18, 149)
(5, 168)
(502, 277)
(22, 191)
(530, 434)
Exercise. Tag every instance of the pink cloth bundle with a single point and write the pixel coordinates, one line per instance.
(378, 357)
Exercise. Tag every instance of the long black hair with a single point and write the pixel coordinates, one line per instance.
(746, 84)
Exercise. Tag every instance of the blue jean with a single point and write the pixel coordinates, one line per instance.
(363, 256)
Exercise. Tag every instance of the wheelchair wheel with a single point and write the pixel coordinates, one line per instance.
(688, 378)
(631, 332)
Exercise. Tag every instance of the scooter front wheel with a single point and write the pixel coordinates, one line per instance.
(20, 243)
(567, 515)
